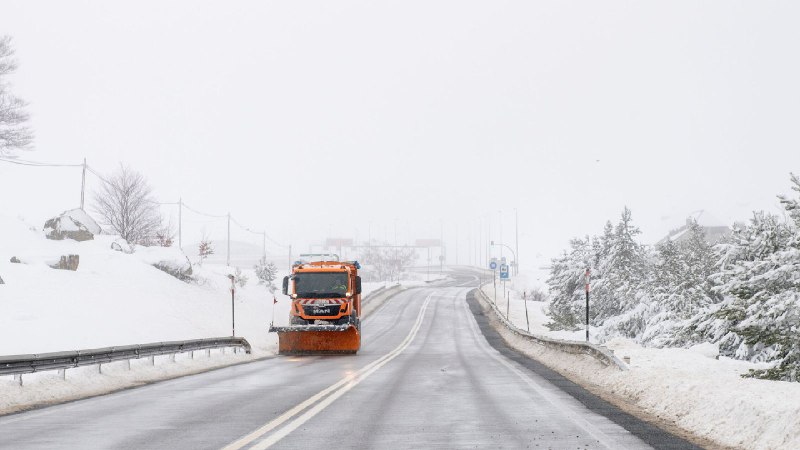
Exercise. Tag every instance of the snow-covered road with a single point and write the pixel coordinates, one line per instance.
(430, 375)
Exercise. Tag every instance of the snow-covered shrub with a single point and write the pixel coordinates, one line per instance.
(266, 272)
(240, 278)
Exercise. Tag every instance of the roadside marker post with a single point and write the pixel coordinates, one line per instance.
(508, 302)
(233, 305)
(527, 322)
(586, 281)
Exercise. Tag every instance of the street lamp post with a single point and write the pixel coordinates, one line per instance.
(516, 241)
(509, 249)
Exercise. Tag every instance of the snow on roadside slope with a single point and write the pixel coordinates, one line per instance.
(687, 387)
(115, 298)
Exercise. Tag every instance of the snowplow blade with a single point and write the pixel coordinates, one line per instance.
(317, 339)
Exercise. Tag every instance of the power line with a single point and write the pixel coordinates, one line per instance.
(244, 227)
(204, 214)
(264, 233)
(23, 162)
(94, 172)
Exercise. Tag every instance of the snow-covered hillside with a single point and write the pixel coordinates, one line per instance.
(115, 298)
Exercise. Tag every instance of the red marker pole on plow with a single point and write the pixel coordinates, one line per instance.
(274, 301)
(586, 281)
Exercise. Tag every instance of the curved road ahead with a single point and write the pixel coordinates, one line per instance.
(430, 374)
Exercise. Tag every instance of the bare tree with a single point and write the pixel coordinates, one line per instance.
(126, 205)
(165, 235)
(388, 263)
(14, 135)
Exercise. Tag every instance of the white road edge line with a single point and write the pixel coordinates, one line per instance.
(565, 410)
(337, 389)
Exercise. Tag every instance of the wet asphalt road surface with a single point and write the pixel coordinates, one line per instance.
(430, 374)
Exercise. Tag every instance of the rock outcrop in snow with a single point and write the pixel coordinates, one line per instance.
(74, 224)
(69, 262)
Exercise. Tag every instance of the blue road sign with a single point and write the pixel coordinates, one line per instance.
(493, 265)
(504, 271)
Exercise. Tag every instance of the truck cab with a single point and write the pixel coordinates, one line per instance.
(328, 291)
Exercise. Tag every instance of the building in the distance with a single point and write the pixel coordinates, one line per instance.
(714, 232)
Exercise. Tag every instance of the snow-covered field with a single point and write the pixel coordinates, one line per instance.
(115, 298)
(688, 387)
(119, 298)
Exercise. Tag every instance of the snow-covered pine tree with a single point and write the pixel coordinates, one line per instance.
(566, 285)
(679, 287)
(768, 288)
(759, 277)
(266, 272)
(622, 310)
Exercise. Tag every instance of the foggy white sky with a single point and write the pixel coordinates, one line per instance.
(312, 117)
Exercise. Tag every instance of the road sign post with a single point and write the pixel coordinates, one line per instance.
(504, 273)
(493, 266)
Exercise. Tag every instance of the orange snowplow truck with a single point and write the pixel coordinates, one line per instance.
(325, 315)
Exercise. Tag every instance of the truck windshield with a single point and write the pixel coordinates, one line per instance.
(320, 284)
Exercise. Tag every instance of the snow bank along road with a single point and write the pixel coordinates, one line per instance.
(426, 377)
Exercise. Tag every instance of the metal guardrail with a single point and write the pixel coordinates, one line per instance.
(22, 364)
(381, 290)
(603, 355)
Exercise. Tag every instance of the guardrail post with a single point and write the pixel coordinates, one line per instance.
(235, 350)
(99, 368)
(62, 373)
(222, 350)
(172, 357)
(208, 353)
(153, 360)
(18, 378)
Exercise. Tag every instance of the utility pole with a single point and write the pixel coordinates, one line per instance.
(516, 242)
(488, 248)
(228, 259)
(441, 246)
(501, 233)
(396, 264)
(456, 241)
(180, 223)
(429, 264)
(83, 184)
(481, 259)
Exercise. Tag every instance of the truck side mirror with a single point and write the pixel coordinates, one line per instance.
(285, 285)
(358, 285)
